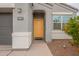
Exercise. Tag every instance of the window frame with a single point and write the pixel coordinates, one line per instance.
(61, 15)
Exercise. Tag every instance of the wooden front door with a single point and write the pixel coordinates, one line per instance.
(39, 26)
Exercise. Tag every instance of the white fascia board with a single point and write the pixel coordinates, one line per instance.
(63, 6)
(62, 13)
(46, 5)
(7, 5)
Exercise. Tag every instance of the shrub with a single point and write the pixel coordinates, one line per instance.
(72, 29)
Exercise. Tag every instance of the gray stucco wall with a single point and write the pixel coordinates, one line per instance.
(22, 25)
(49, 25)
(30, 21)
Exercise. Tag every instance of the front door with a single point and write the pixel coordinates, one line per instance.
(38, 25)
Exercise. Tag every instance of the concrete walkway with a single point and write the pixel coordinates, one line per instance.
(38, 48)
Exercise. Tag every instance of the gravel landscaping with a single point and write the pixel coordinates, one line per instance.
(62, 47)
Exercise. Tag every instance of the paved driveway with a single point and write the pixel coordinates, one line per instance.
(38, 48)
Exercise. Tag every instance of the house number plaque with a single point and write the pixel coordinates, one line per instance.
(20, 18)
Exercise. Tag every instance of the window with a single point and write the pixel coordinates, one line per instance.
(59, 21)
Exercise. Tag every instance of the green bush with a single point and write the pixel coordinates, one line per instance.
(72, 29)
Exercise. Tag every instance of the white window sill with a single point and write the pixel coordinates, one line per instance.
(57, 31)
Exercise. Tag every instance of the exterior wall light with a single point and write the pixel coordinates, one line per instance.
(19, 10)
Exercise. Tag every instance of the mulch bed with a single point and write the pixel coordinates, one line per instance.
(62, 47)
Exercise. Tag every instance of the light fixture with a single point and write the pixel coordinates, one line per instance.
(19, 10)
